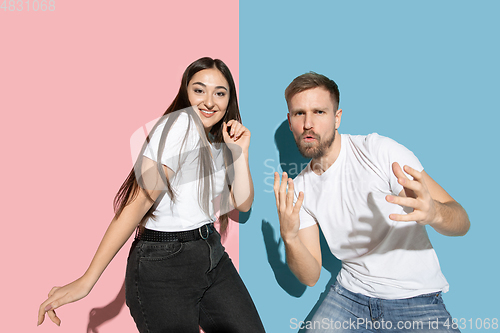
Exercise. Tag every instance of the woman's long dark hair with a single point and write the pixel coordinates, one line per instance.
(130, 187)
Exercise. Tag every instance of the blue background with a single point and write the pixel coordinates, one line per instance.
(424, 73)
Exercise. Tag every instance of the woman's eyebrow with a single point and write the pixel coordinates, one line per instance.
(204, 85)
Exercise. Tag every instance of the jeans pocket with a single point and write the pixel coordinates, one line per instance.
(216, 249)
(431, 298)
(154, 251)
(438, 299)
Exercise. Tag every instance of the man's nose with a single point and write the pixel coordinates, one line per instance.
(308, 122)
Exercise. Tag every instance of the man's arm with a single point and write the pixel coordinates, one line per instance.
(303, 251)
(431, 204)
(303, 255)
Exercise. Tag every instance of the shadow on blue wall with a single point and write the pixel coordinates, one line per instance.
(244, 216)
(292, 162)
(283, 275)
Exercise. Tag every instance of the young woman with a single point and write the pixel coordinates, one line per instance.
(178, 275)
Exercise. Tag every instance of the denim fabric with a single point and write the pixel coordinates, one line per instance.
(345, 311)
(174, 287)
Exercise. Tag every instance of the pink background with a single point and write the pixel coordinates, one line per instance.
(75, 84)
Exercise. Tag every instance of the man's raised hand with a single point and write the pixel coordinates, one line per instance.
(415, 195)
(288, 213)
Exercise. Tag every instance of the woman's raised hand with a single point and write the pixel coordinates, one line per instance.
(237, 134)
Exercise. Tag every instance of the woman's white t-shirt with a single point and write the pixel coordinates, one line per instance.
(181, 155)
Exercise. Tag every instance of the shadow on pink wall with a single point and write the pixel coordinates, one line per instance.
(99, 316)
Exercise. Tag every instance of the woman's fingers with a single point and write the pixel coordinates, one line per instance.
(60, 296)
(52, 315)
(225, 135)
(51, 304)
(236, 129)
(46, 306)
(52, 291)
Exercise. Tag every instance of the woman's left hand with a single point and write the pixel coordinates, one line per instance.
(236, 135)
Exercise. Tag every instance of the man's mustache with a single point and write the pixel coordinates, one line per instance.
(309, 133)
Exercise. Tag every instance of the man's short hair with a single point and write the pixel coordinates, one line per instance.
(309, 81)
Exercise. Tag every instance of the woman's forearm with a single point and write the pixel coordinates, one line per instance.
(118, 232)
(242, 186)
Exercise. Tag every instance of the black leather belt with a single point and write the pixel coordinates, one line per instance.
(178, 236)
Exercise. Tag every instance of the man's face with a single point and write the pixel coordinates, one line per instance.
(313, 119)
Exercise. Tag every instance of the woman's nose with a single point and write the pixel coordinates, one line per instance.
(209, 103)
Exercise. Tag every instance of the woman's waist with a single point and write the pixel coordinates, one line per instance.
(176, 223)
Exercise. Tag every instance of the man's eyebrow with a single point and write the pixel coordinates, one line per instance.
(315, 109)
(204, 85)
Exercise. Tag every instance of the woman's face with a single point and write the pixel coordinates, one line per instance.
(209, 91)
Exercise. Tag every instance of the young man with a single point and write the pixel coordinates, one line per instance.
(373, 216)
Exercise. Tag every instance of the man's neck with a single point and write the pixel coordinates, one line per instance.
(320, 165)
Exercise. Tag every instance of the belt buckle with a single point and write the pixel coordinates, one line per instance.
(201, 233)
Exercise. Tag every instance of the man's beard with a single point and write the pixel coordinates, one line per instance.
(314, 150)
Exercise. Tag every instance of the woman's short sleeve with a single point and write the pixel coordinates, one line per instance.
(181, 140)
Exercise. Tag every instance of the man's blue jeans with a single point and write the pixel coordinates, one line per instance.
(345, 311)
(174, 287)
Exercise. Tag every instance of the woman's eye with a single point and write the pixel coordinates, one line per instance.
(198, 91)
(221, 94)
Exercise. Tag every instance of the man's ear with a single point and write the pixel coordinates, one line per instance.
(338, 118)
(288, 118)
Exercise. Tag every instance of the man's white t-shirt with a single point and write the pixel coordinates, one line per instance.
(181, 155)
(380, 257)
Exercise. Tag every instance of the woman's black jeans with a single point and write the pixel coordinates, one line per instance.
(177, 287)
